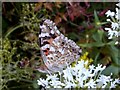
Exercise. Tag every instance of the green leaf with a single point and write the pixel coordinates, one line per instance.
(96, 17)
(15, 27)
(73, 36)
(93, 44)
(114, 54)
(111, 43)
(97, 22)
(98, 35)
(112, 69)
(10, 30)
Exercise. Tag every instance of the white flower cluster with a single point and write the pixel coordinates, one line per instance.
(114, 30)
(79, 77)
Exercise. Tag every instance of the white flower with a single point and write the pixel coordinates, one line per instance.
(91, 68)
(42, 82)
(56, 84)
(114, 19)
(113, 84)
(103, 80)
(112, 33)
(80, 82)
(78, 69)
(87, 74)
(117, 13)
(91, 84)
(79, 65)
(52, 77)
(114, 25)
(99, 68)
(116, 42)
(108, 20)
(67, 74)
(109, 13)
(103, 86)
(70, 85)
(79, 76)
(118, 4)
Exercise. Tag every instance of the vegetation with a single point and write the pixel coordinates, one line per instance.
(82, 22)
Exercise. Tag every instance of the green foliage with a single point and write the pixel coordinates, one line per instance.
(11, 72)
(19, 54)
(20, 27)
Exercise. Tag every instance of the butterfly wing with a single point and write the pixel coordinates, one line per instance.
(57, 50)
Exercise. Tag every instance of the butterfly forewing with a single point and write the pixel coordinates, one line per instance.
(57, 50)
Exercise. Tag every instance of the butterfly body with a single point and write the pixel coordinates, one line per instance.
(57, 50)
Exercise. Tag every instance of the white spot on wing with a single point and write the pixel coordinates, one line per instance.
(46, 46)
(62, 36)
(57, 31)
(57, 38)
(44, 34)
(55, 27)
(52, 32)
(66, 38)
(43, 27)
(39, 35)
(52, 49)
(56, 43)
(61, 50)
(50, 55)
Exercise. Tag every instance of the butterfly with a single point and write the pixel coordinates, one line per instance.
(57, 51)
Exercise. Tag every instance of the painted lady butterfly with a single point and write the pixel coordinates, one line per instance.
(57, 50)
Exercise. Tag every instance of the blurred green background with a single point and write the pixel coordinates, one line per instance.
(83, 22)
